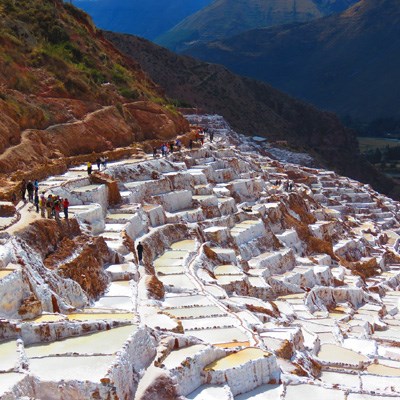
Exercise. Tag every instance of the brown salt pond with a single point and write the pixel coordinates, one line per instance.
(384, 370)
(89, 316)
(48, 318)
(188, 245)
(237, 359)
(5, 272)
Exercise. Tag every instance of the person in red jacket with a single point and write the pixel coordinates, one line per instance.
(65, 207)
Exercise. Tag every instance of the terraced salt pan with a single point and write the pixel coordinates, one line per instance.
(8, 380)
(9, 357)
(229, 279)
(210, 392)
(263, 392)
(180, 281)
(209, 323)
(236, 359)
(119, 288)
(389, 384)
(78, 368)
(48, 318)
(346, 380)
(115, 302)
(220, 335)
(105, 343)
(297, 392)
(112, 316)
(383, 370)
(177, 357)
(338, 355)
(186, 301)
(227, 270)
(5, 272)
(196, 312)
(188, 245)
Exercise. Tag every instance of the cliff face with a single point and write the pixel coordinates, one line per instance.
(66, 91)
(254, 108)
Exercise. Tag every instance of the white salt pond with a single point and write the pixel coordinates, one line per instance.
(115, 302)
(220, 335)
(335, 378)
(186, 301)
(106, 342)
(201, 323)
(180, 281)
(210, 392)
(8, 380)
(8, 355)
(196, 312)
(333, 354)
(302, 392)
(176, 357)
(71, 368)
(263, 392)
(119, 288)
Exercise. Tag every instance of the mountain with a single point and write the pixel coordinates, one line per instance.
(67, 93)
(254, 108)
(224, 18)
(148, 18)
(347, 63)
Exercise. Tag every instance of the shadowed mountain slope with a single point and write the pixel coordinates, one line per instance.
(254, 108)
(224, 18)
(346, 63)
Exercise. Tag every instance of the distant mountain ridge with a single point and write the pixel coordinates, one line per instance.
(224, 18)
(254, 108)
(347, 63)
(146, 18)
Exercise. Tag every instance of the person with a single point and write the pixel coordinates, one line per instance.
(104, 161)
(155, 152)
(178, 144)
(98, 162)
(36, 201)
(171, 147)
(14, 199)
(42, 203)
(49, 206)
(36, 186)
(29, 188)
(139, 249)
(57, 208)
(23, 190)
(89, 167)
(211, 136)
(191, 144)
(65, 207)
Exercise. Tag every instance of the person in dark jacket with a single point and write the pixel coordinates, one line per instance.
(139, 249)
(30, 188)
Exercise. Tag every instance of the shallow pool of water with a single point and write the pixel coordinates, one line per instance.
(189, 245)
(176, 357)
(336, 354)
(237, 359)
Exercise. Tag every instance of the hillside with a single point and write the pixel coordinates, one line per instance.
(224, 18)
(254, 108)
(147, 19)
(346, 63)
(67, 92)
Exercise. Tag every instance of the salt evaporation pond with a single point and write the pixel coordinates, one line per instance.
(189, 245)
(335, 354)
(208, 392)
(78, 368)
(106, 342)
(300, 392)
(236, 359)
(263, 392)
(48, 318)
(100, 316)
(384, 370)
(196, 312)
(176, 357)
(8, 380)
(8, 352)
(220, 335)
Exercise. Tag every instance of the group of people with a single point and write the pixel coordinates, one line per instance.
(287, 185)
(168, 148)
(49, 206)
(52, 205)
(100, 162)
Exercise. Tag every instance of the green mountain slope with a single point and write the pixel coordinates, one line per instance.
(224, 18)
